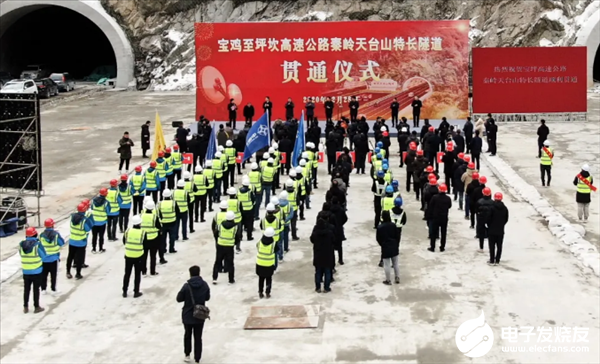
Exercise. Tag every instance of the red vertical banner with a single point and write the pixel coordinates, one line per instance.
(403, 156)
(369, 156)
(239, 157)
(188, 158)
(283, 157)
(321, 157)
(439, 157)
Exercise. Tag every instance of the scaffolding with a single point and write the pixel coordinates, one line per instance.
(20, 112)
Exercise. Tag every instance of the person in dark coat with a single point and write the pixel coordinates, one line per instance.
(448, 159)
(444, 128)
(248, 114)
(497, 221)
(286, 145)
(194, 292)
(194, 147)
(460, 167)
(329, 105)
(492, 137)
(334, 144)
(418, 166)
(329, 126)
(424, 129)
(125, 145)
(476, 146)
(239, 143)
(363, 126)
(268, 107)
(469, 192)
(145, 139)
(459, 142)
(354, 106)
(416, 106)
(181, 138)
(542, 132)
(395, 107)
(289, 109)
(410, 158)
(361, 147)
(433, 143)
(403, 137)
(388, 238)
(310, 110)
(484, 210)
(437, 214)
(352, 131)
(322, 239)
(335, 192)
(338, 210)
(468, 130)
(232, 108)
(222, 136)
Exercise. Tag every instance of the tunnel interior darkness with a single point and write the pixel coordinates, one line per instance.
(597, 66)
(58, 38)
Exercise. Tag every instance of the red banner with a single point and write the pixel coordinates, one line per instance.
(377, 62)
(283, 157)
(239, 158)
(188, 158)
(529, 80)
(321, 157)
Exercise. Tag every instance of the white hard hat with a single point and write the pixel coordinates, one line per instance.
(270, 160)
(198, 169)
(270, 207)
(274, 200)
(275, 145)
(289, 183)
(187, 175)
(230, 215)
(181, 183)
(546, 143)
(229, 143)
(266, 156)
(305, 155)
(136, 220)
(167, 193)
(585, 167)
(283, 195)
(271, 150)
(209, 163)
(221, 148)
(310, 145)
(293, 173)
(149, 205)
(254, 165)
(218, 155)
(269, 232)
(302, 162)
(246, 181)
(298, 169)
(231, 191)
(223, 205)
(383, 128)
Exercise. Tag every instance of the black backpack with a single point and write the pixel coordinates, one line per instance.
(201, 312)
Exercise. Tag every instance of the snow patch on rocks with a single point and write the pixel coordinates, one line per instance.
(320, 15)
(571, 235)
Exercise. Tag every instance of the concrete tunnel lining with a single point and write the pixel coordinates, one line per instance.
(589, 36)
(11, 11)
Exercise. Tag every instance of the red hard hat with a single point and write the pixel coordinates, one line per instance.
(450, 147)
(419, 152)
(176, 147)
(429, 169)
(461, 155)
(82, 207)
(471, 165)
(167, 150)
(431, 176)
(443, 188)
(49, 223)
(85, 201)
(153, 163)
(413, 146)
(431, 128)
(30, 231)
(114, 183)
(498, 196)
(124, 177)
(103, 191)
(487, 191)
(467, 158)
(483, 179)
(139, 168)
(385, 134)
(161, 154)
(475, 176)
(433, 181)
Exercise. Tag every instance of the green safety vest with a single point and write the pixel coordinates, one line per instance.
(300, 186)
(180, 197)
(382, 151)
(176, 160)
(167, 211)
(200, 181)
(160, 168)
(210, 176)
(111, 197)
(387, 203)
(263, 164)
(376, 167)
(397, 219)
(189, 187)
(126, 196)
(134, 243)
(546, 160)
(149, 225)
(99, 213)
(224, 161)
(268, 173)
(220, 217)
(307, 172)
(78, 231)
(31, 260)
(312, 157)
(218, 168)
(169, 162)
(255, 180)
(230, 153)
(292, 199)
(137, 180)
(281, 217)
(151, 179)
(285, 211)
(246, 200)
(51, 247)
(227, 236)
(582, 187)
(266, 254)
(276, 225)
(234, 205)
(388, 177)
(276, 159)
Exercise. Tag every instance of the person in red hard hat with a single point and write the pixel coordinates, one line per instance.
(437, 215)
(483, 209)
(498, 219)
(448, 160)
(32, 255)
(466, 178)
(52, 242)
(418, 166)
(80, 226)
(428, 192)
(100, 210)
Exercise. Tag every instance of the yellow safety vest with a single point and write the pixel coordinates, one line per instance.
(224, 161)
(234, 205)
(126, 196)
(546, 160)
(230, 153)
(388, 177)
(151, 180)
(51, 247)
(138, 180)
(220, 217)
(276, 225)
(266, 254)
(307, 172)
(313, 160)
(31, 260)
(160, 168)
(268, 173)
(111, 197)
(227, 236)
(382, 151)
(134, 243)
(376, 167)
(292, 199)
(200, 181)
(169, 162)
(397, 219)
(246, 200)
(210, 176)
(180, 197)
(255, 180)
(176, 160)
(167, 211)
(285, 211)
(276, 159)
(149, 224)
(78, 231)
(387, 203)
(263, 164)
(99, 213)
(189, 187)
(300, 186)
(218, 168)
(582, 187)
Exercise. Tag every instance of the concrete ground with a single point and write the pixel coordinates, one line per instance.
(362, 320)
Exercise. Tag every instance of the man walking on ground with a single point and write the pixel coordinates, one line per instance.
(497, 220)
(542, 132)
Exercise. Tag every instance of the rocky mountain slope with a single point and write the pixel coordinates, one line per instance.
(162, 31)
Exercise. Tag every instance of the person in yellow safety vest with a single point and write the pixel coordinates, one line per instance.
(585, 185)
(169, 169)
(276, 163)
(378, 189)
(161, 170)
(268, 176)
(313, 161)
(264, 161)
(167, 213)
(191, 189)
(32, 254)
(52, 242)
(301, 188)
(234, 205)
(134, 240)
(279, 159)
(216, 222)
(546, 163)
(294, 200)
(182, 199)
(271, 220)
(177, 161)
(152, 186)
(218, 167)
(247, 200)
(396, 186)
(201, 183)
(137, 186)
(280, 215)
(388, 177)
(376, 165)
(113, 214)
(306, 172)
(100, 209)
(376, 155)
(210, 174)
(387, 200)
(256, 182)
(265, 261)
(225, 165)
(231, 153)
(125, 200)
(80, 227)
(228, 235)
(152, 227)
(287, 213)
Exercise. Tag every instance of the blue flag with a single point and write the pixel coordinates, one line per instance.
(212, 143)
(259, 136)
(299, 146)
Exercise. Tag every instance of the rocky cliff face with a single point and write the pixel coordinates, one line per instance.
(162, 31)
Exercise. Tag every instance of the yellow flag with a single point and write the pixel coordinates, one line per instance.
(159, 138)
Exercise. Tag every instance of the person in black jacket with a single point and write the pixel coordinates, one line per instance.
(468, 130)
(476, 145)
(322, 239)
(388, 239)
(340, 220)
(492, 137)
(460, 167)
(310, 110)
(289, 109)
(584, 183)
(470, 193)
(313, 134)
(497, 220)
(459, 140)
(361, 146)
(416, 105)
(448, 160)
(410, 158)
(542, 132)
(335, 192)
(424, 129)
(353, 105)
(484, 209)
(232, 107)
(248, 115)
(268, 107)
(194, 292)
(328, 109)
(403, 136)
(428, 192)
(437, 215)
(395, 107)
(419, 165)
(145, 139)
(286, 145)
